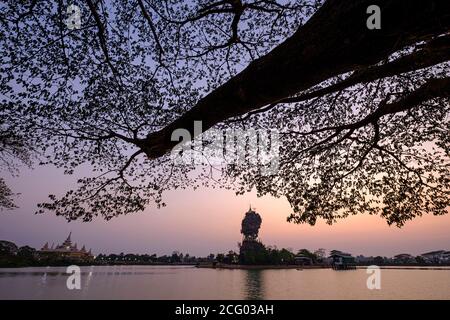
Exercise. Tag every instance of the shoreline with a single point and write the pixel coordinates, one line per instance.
(299, 267)
(409, 267)
(241, 267)
(258, 267)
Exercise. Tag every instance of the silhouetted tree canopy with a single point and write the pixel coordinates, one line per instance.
(6, 201)
(363, 114)
(13, 153)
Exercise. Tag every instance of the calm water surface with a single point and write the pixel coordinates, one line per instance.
(156, 282)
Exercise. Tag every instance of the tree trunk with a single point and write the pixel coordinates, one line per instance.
(335, 40)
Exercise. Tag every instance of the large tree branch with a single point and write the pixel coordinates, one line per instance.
(334, 41)
(433, 88)
(101, 36)
(435, 52)
(152, 28)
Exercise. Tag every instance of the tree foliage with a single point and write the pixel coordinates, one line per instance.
(363, 115)
(13, 154)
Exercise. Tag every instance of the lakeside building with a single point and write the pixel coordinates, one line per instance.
(303, 260)
(342, 260)
(439, 256)
(446, 256)
(363, 259)
(66, 250)
(404, 258)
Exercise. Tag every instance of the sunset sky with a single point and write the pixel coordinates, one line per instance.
(206, 221)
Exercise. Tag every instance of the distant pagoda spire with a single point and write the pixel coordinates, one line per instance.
(68, 242)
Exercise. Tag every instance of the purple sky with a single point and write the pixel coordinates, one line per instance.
(206, 221)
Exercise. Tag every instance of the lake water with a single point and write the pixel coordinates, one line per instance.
(167, 282)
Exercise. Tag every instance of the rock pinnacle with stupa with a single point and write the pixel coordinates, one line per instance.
(250, 246)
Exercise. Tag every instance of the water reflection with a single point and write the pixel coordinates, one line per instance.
(254, 285)
(160, 282)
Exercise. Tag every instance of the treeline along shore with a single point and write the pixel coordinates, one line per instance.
(12, 256)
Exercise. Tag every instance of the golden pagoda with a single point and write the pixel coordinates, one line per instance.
(66, 251)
